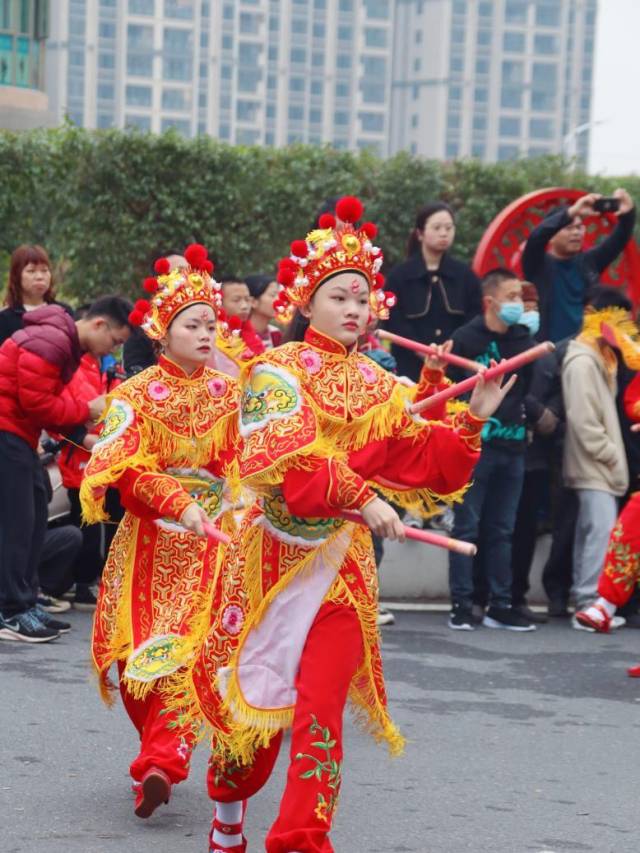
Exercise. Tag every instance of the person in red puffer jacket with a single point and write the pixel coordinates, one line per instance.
(36, 365)
(88, 382)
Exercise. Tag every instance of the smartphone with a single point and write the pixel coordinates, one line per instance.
(607, 205)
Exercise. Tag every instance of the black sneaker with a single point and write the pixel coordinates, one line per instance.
(557, 609)
(26, 627)
(460, 618)
(52, 604)
(84, 598)
(530, 615)
(49, 622)
(508, 619)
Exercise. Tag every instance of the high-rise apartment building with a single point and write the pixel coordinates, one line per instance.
(247, 71)
(441, 78)
(492, 79)
(23, 30)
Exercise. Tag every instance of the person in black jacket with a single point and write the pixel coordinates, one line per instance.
(564, 274)
(492, 501)
(436, 294)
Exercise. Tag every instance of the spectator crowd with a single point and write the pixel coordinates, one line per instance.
(559, 456)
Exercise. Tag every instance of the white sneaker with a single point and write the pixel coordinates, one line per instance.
(385, 617)
(413, 521)
(51, 604)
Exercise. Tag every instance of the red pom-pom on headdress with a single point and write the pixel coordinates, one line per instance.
(196, 255)
(136, 318)
(286, 276)
(162, 266)
(287, 264)
(299, 248)
(349, 209)
(208, 266)
(235, 323)
(327, 220)
(370, 230)
(142, 306)
(150, 284)
(380, 280)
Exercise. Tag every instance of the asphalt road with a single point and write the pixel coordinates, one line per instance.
(517, 743)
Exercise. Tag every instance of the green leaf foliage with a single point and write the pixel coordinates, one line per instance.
(105, 204)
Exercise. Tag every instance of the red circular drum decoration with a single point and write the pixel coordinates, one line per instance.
(503, 241)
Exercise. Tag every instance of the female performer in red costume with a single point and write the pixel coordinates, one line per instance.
(167, 440)
(294, 629)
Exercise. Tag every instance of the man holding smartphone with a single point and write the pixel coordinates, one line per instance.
(565, 273)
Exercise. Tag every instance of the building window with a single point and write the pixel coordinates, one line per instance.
(548, 14)
(104, 120)
(484, 38)
(246, 136)
(453, 121)
(139, 37)
(507, 152)
(546, 44)
(296, 84)
(509, 126)
(342, 90)
(141, 122)
(539, 150)
(319, 31)
(296, 112)
(106, 61)
(345, 33)
(298, 55)
(249, 79)
(181, 9)
(176, 69)
(106, 91)
(299, 25)
(514, 42)
(377, 9)
(344, 60)
(139, 66)
(249, 23)
(138, 96)
(479, 122)
(315, 116)
(183, 126)
(455, 93)
(341, 117)
(375, 37)
(457, 35)
(478, 150)
(516, 12)
(541, 128)
(316, 87)
(482, 66)
(374, 66)
(452, 150)
(141, 7)
(544, 84)
(372, 122)
(372, 93)
(481, 95)
(246, 110)
(249, 53)
(106, 30)
(175, 99)
(415, 121)
(456, 64)
(512, 80)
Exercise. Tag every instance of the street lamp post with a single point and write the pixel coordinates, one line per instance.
(569, 141)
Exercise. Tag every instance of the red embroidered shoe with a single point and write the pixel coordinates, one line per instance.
(155, 789)
(634, 671)
(227, 829)
(602, 626)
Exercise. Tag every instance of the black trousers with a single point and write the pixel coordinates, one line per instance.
(23, 523)
(557, 575)
(59, 551)
(525, 534)
(89, 562)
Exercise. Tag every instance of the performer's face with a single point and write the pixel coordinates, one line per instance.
(340, 308)
(190, 337)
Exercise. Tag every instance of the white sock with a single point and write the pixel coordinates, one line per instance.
(607, 605)
(229, 813)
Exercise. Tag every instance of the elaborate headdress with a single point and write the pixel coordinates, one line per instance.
(617, 328)
(331, 249)
(172, 290)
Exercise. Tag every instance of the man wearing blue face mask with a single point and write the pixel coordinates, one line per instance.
(492, 501)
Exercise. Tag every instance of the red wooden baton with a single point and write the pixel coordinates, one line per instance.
(507, 366)
(467, 548)
(425, 349)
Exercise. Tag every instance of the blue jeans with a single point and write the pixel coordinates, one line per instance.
(491, 502)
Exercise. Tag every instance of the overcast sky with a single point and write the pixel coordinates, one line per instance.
(615, 144)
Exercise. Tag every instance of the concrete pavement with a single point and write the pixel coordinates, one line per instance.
(517, 743)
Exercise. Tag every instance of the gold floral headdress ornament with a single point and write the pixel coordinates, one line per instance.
(330, 249)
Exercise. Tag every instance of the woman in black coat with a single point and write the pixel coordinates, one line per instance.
(435, 292)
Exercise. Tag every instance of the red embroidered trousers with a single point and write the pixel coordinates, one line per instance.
(622, 564)
(330, 658)
(163, 743)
